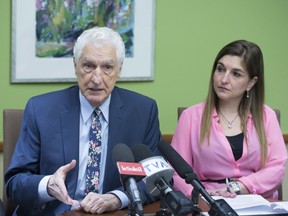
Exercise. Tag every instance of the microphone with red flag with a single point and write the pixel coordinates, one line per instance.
(130, 173)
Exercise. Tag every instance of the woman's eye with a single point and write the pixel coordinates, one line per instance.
(220, 68)
(236, 74)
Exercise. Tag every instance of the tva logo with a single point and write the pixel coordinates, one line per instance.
(155, 164)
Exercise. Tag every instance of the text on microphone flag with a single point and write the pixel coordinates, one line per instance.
(129, 168)
(154, 165)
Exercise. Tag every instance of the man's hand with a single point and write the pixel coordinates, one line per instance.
(99, 203)
(56, 185)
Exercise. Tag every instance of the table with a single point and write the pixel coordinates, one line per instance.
(149, 210)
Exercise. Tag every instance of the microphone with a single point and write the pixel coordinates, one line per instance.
(130, 172)
(217, 207)
(158, 175)
(154, 166)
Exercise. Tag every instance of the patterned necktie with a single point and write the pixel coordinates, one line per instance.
(94, 154)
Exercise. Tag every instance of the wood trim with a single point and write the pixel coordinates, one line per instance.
(285, 137)
(166, 137)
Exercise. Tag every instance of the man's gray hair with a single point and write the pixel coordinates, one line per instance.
(100, 36)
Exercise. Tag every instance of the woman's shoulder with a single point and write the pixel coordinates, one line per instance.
(267, 109)
(197, 108)
(270, 112)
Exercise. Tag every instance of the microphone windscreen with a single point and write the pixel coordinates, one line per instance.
(121, 152)
(156, 167)
(141, 152)
(175, 159)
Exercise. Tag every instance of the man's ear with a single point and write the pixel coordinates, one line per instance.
(120, 71)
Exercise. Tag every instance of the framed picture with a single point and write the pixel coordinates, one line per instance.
(44, 33)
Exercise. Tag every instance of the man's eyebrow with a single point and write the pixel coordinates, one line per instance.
(108, 62)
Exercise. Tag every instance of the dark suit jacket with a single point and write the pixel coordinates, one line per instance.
(49, 138)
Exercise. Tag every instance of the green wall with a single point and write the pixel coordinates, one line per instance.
(188, 35)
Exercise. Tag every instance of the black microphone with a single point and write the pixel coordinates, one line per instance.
(129, 172)
(158, 177)
(217, 207)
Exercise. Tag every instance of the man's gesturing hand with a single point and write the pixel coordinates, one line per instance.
(56, 184)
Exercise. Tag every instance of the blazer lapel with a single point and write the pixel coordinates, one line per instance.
(70, 131)
(117, 125)
(70, 134)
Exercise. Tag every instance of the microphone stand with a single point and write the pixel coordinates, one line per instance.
(195, 198)
(177, 203)
(133, 210)
(163, 188)
(164, 211)
(135, 207)
(217, 207)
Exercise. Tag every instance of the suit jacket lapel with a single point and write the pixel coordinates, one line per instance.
(117, 125)
(70, 134)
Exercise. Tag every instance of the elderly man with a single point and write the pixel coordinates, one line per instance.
(57, 164)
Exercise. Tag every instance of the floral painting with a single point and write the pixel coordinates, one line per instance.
(44, 33)
(60, 22)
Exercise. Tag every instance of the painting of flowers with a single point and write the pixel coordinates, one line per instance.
(60, 22)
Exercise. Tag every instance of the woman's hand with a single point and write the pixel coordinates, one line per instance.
(229, 192)
(222, 192)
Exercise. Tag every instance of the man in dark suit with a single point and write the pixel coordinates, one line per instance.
(48, 168)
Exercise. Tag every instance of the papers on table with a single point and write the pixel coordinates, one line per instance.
(255, 205)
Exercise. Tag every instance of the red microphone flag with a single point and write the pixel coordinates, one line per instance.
(129, 168)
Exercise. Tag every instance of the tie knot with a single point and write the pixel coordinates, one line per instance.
(97, 112)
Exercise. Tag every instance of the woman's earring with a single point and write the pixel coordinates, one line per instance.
(247, 95)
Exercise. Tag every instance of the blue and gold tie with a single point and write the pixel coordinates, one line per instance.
(94, 154)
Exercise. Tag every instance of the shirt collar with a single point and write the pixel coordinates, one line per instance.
(216, 116)
(87, 108)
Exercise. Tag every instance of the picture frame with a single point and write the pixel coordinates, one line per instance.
(27, 68)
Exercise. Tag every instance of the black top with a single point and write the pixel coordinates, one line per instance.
(236, 143)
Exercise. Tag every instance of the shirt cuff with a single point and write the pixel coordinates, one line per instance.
(42, 190)
(122, 196)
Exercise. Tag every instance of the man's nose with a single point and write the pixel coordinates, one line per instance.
(96, 76)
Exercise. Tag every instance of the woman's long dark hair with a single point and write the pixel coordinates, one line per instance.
(252, 58)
